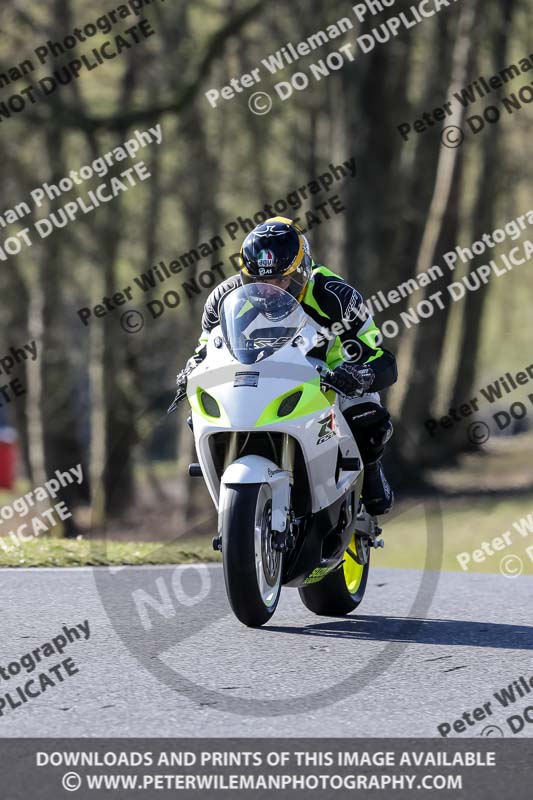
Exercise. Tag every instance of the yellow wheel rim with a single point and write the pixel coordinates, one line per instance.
(353, 572)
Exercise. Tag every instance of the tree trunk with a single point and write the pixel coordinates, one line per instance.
(61, 417)
(423, 345)
(492, 169)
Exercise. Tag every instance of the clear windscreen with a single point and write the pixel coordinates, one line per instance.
(258, 319)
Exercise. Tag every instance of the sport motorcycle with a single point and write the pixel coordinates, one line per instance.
(279, 460)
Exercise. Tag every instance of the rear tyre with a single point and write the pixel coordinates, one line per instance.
(252, 568)
(340, 592)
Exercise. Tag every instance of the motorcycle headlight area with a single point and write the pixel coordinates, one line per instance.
(209, 405)
(289, 403)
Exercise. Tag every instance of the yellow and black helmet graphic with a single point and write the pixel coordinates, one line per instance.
(277, 250)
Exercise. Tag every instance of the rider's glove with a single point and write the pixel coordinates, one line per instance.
(181, 378)
(351, 380)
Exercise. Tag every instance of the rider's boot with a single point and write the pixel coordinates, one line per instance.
(378, 496)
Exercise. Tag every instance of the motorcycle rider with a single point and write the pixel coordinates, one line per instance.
(277, 252)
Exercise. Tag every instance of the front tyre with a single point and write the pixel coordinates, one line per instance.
(252, 568)
(340, 592)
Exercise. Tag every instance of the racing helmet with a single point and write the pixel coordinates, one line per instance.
(277, 251)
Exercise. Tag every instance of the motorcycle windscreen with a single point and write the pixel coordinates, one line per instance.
(258, 319)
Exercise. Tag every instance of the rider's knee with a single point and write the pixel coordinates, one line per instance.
(372, 428)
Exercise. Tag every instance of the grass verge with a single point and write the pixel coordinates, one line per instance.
(51, 552)
(466, 526)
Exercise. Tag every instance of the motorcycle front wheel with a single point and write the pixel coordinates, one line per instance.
(252, 568)
(341, 591)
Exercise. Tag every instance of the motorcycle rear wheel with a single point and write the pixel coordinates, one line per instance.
(340, 592)
(252, 568)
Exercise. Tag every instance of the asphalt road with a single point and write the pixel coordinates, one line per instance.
(192, 670)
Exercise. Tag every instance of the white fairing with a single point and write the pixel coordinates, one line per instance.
(257, 469)
(242, 405)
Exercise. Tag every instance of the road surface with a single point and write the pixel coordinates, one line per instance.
(160, 667)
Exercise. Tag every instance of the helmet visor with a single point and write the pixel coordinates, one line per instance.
(294, 283)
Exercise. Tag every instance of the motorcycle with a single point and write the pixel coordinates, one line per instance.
(279, 460)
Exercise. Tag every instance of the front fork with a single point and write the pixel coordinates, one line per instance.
(231, 450)
(229, 458)
(287, 453)
(284, 540)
